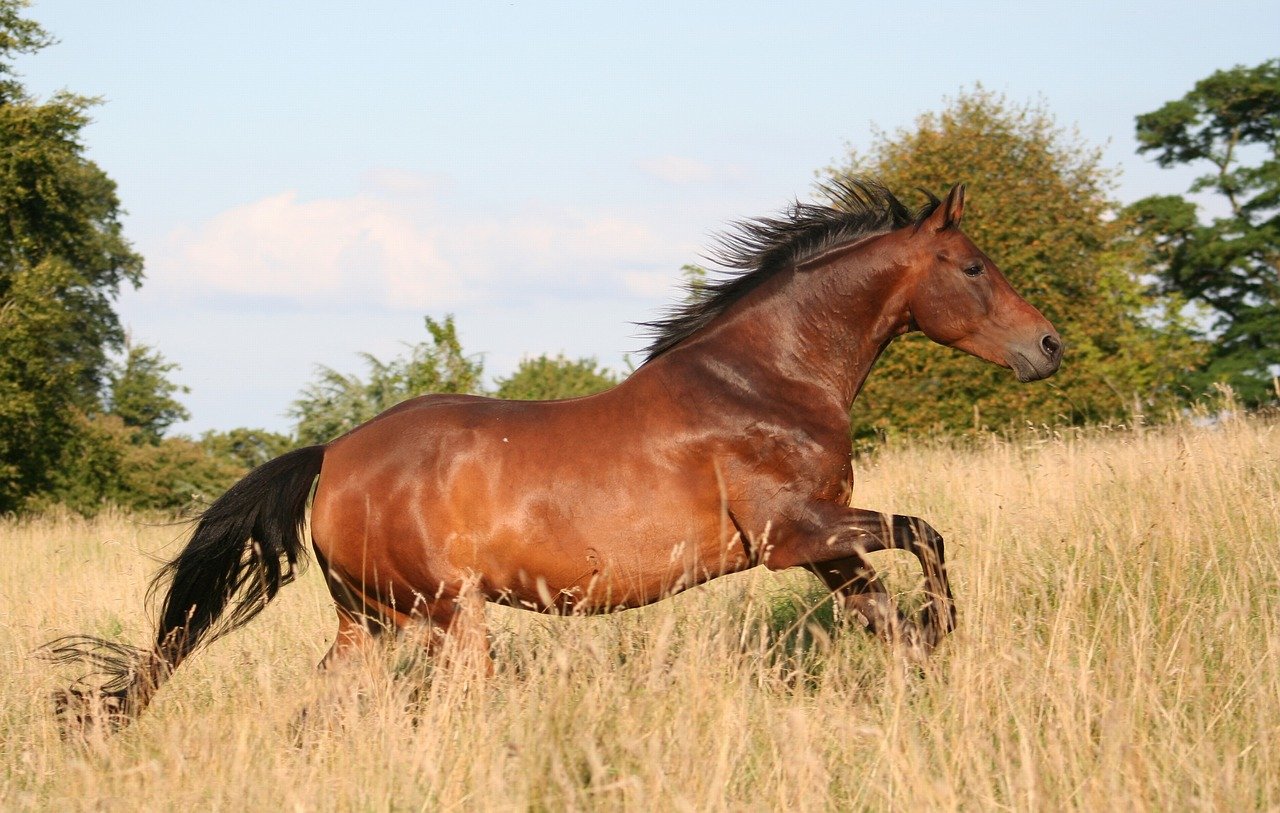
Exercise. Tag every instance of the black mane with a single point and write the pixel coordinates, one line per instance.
(757, 249)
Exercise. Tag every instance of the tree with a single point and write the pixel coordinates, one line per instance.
(545, 378)
(119, 455)
(336, 402)
(695, 279)
(141, 394)
(247, 448)
(63, 259)
(1038, 206)
(174, 475)
(106, 464)
(1231, 264)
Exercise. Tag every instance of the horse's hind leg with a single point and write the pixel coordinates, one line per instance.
(855, 582)
(355, 635)
(451, 627)
(458, 631)
(361, 621)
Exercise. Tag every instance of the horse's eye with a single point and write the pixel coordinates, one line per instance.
(973, 270)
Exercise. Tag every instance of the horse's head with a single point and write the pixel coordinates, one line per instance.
(959, 298)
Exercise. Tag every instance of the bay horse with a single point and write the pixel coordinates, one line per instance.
(727, 448)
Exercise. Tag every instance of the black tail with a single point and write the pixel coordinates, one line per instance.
(246, 546)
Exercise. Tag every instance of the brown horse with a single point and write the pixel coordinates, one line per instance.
(728, 448)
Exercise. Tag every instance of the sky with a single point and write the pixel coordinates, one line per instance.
(307, 181)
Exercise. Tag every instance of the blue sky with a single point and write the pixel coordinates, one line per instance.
(307, 180)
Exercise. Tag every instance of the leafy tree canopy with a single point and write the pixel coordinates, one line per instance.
(1229, 122)
(336, 403)
(121, 456)
(1038, 205)
(545, 378)
(106, 464)
(247, 448)
(142, 395)
(63, 258)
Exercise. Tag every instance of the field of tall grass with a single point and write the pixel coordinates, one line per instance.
(1118, 649)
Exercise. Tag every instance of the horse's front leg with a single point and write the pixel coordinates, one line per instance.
(855, 584)
(825, 534)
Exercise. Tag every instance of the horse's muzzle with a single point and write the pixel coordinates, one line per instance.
(1041, 360)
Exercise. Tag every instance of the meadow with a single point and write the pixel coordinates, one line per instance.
(1118, 649)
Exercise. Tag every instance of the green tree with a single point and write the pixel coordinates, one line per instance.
(336, 403)
(91, 471)
(142, 395)
(173, 475)
(1038, 205)
(247, 448)
(106, 464)
(1230, 265)
(119, 455)
(63, 259)
(545, 378)
(695, 279)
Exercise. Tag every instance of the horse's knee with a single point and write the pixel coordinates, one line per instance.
(921, 531)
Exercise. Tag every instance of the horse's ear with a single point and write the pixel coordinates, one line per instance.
(955, 205)
(949, 212)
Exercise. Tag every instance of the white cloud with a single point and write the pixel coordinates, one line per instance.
(411, 253)
(678, 170)
(361, 247)
(564, 242)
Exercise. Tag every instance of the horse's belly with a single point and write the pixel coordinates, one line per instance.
(604, 572)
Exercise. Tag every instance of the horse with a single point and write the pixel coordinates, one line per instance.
(727, 448)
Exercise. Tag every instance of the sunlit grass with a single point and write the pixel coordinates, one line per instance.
(1119, 648)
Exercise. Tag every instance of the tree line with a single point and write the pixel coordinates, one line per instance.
(1158, 300)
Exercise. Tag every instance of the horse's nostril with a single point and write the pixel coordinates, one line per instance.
(1051, 345)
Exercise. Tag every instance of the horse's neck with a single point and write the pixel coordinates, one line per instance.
(823, 326)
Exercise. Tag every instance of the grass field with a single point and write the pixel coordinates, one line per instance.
(1119, 649)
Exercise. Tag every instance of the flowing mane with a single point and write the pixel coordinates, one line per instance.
(757, 249)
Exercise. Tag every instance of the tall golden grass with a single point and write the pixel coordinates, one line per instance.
(1119, 649)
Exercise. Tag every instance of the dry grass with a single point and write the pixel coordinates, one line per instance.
(1119, 649)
